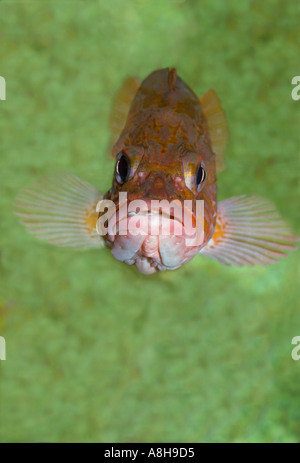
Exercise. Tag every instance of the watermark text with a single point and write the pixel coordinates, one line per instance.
(296, 351)
(296, 89)
(2, 88)
(152, 217)
(2, 348)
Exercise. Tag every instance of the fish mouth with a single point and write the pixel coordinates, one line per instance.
(153, 235)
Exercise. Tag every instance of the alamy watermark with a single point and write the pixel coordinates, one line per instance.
(2, 88)
(296, 351)
(296, 90)
(2, 348)
(152, 217)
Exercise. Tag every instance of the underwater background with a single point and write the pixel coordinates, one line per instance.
(96, 351)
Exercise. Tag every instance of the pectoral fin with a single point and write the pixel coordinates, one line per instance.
(62, 210)
(249, 231)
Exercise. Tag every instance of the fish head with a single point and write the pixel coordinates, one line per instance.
(159, 219)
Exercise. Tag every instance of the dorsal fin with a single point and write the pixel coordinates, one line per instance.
(120, 108)
(217, 125)
(172, 76)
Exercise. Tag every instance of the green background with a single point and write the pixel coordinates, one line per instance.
(95, 350)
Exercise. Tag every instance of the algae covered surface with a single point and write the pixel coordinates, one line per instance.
(95, 351)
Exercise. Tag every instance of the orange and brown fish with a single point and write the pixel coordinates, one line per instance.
(170, 145)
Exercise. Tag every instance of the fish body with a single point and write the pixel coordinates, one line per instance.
(170, 144)
(165, 139)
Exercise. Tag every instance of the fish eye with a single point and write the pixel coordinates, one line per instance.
(200, 176)
(122, 168)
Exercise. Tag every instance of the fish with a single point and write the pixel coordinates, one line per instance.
(168, 146)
